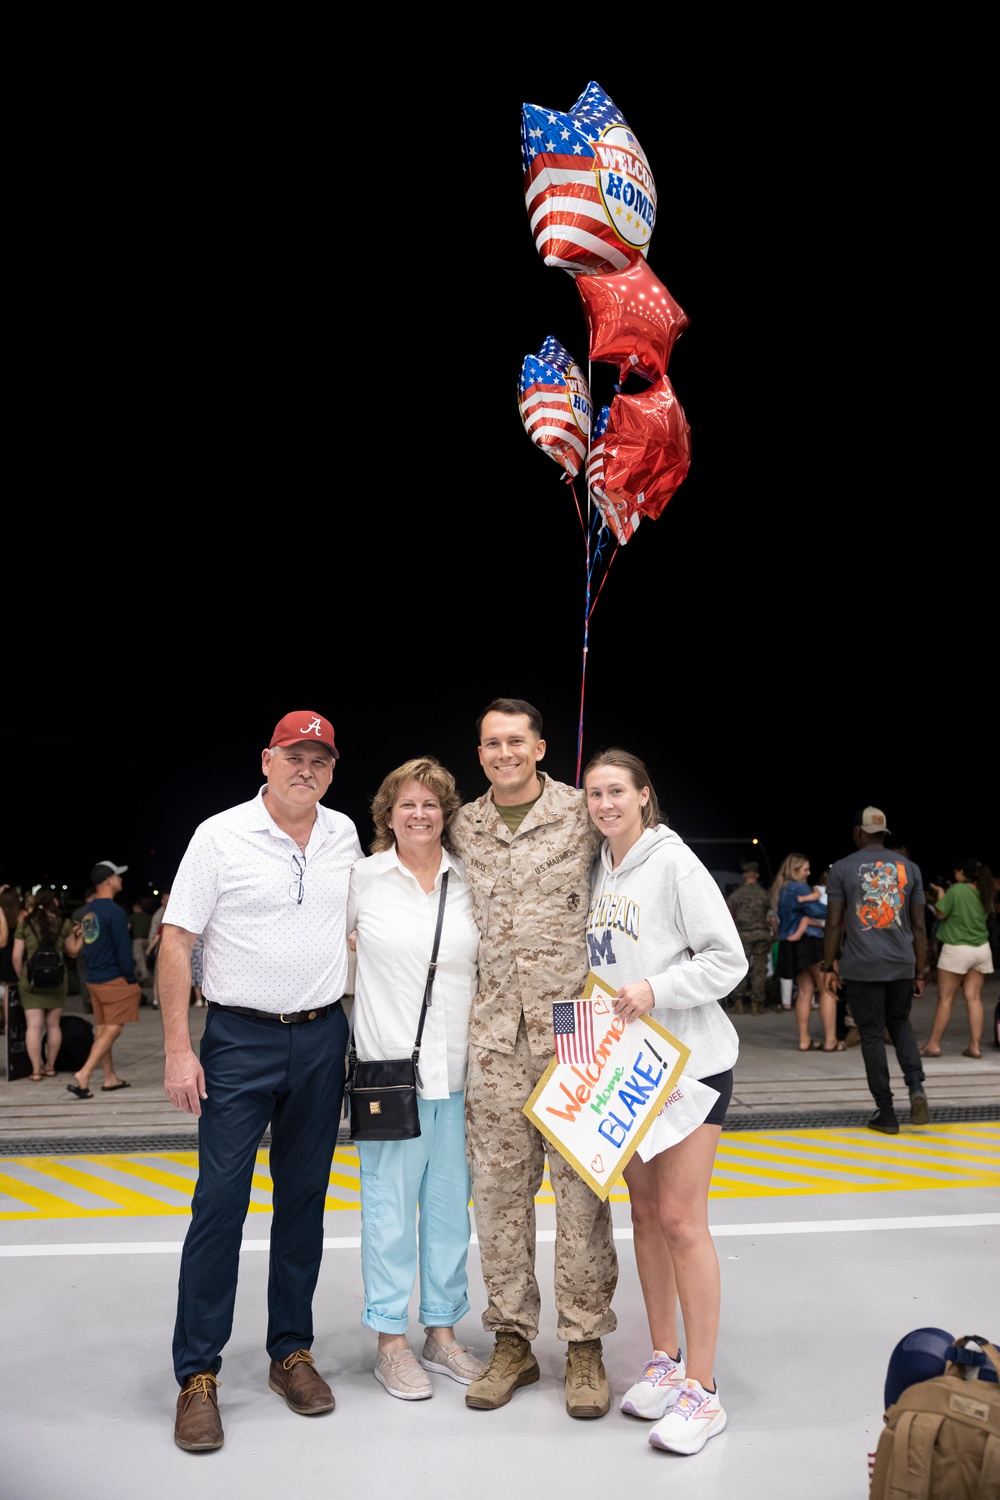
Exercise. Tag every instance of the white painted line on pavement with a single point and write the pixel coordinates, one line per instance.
(544, 1236)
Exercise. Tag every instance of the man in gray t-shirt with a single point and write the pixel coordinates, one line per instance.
(876, 895)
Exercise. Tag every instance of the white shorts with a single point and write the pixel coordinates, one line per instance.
(962, 958)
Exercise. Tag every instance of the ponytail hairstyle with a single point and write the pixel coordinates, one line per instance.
(981, 877)
(47, 918)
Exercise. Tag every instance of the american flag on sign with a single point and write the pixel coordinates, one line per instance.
(573, 1024)
(588, 189)
(555, 404)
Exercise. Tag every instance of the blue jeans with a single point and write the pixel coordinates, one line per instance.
(259, 1072)
(399, 1178)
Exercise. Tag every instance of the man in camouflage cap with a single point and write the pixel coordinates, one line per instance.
(748, 904)
(528, 846)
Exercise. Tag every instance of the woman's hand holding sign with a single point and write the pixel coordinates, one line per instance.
(634, 1000)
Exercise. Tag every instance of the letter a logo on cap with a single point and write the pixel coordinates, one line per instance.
(292, 731)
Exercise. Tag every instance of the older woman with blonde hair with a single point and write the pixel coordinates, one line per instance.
(393, 909)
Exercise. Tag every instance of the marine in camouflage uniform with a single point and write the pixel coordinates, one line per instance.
(748, 904)
(531, 893)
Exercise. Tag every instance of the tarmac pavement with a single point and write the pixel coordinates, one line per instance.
(777, 1086)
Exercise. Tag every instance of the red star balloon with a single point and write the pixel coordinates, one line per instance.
(647, 450)
(632, 319)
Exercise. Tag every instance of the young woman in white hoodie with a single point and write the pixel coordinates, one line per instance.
(661, 935)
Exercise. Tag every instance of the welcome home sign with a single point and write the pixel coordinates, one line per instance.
(595, 1114)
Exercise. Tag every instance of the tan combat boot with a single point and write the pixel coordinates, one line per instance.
(587, 1393)
(511, 1365)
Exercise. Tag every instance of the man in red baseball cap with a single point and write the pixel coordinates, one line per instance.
(265, 885)
(304, 728)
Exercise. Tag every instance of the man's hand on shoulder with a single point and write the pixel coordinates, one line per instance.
(184, 1082)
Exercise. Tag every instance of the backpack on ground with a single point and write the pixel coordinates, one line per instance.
(46, 970)
(942, 1436)
(77, 1040)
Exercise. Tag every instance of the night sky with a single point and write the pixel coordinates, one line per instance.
(310, 486)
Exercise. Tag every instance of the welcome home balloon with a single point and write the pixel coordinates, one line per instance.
(555, 404)
(588, 187)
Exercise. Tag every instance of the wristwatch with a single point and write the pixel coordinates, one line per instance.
(828, 968)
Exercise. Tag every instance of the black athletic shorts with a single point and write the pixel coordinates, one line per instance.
(723, 1084)
(794, 957)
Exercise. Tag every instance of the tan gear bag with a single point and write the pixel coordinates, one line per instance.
(942, 1437)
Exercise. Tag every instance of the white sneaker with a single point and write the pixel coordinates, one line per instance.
(402, 1376)
(694, 1417)
(656, 1387)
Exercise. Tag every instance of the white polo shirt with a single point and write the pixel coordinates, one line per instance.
(395, 920)
(237, 886)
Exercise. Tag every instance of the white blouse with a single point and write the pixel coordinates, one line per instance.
(395, 921)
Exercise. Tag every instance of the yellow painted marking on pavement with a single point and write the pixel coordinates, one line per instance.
(775, 1163)
(856, 1161)
(751, 1164)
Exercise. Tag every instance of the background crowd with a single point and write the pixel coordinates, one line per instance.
(781, 926)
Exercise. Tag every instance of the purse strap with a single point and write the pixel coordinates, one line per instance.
(432, 968)
(428, 985)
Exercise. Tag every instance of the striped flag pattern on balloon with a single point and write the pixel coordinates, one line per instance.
(555, 405)
(617, 515)
(588, 188)
(573, 1025)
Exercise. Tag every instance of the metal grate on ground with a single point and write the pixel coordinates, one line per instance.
(774, 1120)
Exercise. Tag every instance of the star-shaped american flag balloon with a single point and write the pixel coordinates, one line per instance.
(588, 188)
(554, 399)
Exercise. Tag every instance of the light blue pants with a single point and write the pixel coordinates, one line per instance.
(398, 1178)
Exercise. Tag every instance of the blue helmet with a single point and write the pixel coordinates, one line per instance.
(925, 1353)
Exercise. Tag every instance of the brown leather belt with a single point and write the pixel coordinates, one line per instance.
(288, 1018)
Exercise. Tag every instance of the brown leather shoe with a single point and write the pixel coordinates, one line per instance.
(297, 1379)
(198, 1426)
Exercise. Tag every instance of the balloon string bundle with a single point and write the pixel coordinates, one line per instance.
(598, 531)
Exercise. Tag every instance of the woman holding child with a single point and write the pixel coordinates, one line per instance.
(677, 960)
(801, 919)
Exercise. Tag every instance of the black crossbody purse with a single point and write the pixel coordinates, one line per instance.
(380, 1097)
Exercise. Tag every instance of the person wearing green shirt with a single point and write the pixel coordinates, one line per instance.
(965, 957)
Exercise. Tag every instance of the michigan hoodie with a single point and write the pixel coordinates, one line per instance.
(660, 916)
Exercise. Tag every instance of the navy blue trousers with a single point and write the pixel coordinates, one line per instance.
(258, 1072)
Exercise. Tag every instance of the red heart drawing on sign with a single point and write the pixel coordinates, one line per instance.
(597, 1165)
(601, 1008)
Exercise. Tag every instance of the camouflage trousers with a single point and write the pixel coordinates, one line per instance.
(506, 1159)
(757, 951)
